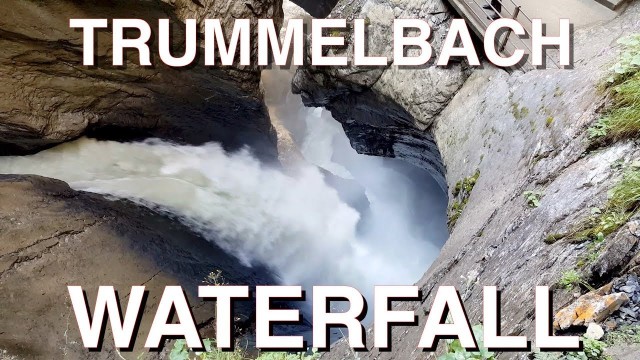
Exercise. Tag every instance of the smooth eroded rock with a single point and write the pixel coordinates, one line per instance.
(52, 236)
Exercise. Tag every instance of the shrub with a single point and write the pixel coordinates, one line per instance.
(455, 351)
(533, 198)
(621, 119)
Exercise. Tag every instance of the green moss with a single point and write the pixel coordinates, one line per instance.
(461, 192)
(549, 121)
(554, 238)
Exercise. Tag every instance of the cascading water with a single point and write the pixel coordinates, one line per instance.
(297, 225)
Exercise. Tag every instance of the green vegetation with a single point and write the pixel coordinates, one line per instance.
(519, 112)
(461, 192)
(549, 121)
(571, 279)
(181, 351)
(533, 198)
(621, 119)
(455, 351)
(593, 350)
(625, 335)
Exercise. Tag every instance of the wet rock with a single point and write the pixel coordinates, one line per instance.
(496, 123)
(48, 97)
(227, 11)
(63, 237)
(588, 309)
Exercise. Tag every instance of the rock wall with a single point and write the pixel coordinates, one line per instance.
(84, 239)
(49, 97)
(522, 132)
(388, 109)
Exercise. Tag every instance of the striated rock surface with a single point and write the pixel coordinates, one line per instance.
(52, 237)
(48, 96)
(523, 132)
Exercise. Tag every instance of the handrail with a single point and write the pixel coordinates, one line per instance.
(514, 14)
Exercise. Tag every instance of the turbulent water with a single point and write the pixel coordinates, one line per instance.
(297, 225)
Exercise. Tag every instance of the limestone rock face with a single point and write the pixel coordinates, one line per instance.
(48, 96)
(522, 132)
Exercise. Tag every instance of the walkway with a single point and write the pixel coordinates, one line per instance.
(580, 12)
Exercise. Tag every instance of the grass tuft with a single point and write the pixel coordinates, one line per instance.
(461, 192)
(621, 120)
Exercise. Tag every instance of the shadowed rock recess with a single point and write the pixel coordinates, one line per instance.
(48, 96)
(518, 132)
(52, 236)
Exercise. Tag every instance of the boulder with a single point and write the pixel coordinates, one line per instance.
(589, 308)
(594, 332)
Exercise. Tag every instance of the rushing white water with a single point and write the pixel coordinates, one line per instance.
(296, 225)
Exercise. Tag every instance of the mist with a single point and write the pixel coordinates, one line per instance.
(290, 220)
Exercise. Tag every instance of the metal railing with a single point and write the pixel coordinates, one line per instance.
(507, 9)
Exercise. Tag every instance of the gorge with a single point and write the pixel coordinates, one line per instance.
(143, 144)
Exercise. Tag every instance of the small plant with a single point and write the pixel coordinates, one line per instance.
(549, 121)
(629, 62)
(462, 192)
(532, 198)
(593, 350)
(181, 351)
(215, 278)
(621, 119)
(572, 278)
(455, 351)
